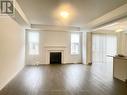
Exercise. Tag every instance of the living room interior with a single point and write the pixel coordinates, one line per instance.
(63, 47)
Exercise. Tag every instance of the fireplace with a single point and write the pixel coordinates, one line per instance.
(55, 49)
(55, 57)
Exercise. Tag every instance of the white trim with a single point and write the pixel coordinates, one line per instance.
(54, 27)
(110, 16)
(54, 49)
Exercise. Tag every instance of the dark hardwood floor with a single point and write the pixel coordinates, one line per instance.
(73, 79)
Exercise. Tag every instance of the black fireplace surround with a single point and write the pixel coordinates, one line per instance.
(55, 57)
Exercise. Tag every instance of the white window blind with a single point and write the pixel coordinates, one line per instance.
(103, 48)
(33, 43)
(75, 43)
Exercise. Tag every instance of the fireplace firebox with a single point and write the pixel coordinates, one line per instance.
(55, 57)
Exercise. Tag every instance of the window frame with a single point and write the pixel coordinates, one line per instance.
(79, 43)
(37, 43)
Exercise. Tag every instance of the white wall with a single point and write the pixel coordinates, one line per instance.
(57, 38)
(84, 45)
(122, 43)
(11, 49)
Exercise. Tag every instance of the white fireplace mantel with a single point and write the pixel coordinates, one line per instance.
(49, 49)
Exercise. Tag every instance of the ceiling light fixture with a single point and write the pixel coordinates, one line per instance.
(64, 14)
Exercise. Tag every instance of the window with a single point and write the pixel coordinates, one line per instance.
(103, 47)
(33, 43)
(75, 43)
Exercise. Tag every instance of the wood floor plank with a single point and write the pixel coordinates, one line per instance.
(72, 79)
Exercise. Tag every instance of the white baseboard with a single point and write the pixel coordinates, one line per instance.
(13, 76)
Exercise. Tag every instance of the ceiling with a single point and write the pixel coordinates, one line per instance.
(84, 11)
(114, 26)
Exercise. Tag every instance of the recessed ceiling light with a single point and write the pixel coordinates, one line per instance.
(64, 14)
(119, 30)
